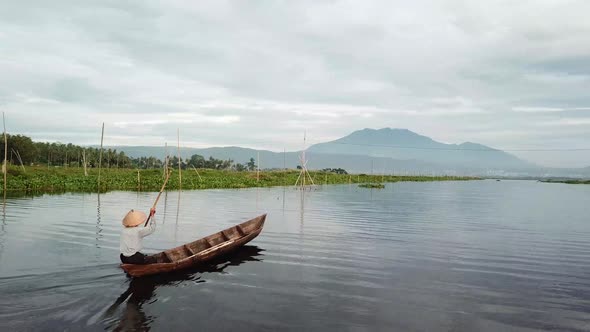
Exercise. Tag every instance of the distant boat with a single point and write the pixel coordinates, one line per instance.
(498, 180)
(200, 251)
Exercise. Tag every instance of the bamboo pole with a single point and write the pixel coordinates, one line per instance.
(138, 181)
(258, 167)
(165, 160)
(100, 155)
(84, 161)
(5, 166)
(19, 159)
(158, 198)
(199, 175)
(179, 168)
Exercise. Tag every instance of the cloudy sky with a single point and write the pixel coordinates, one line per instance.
(508, 74)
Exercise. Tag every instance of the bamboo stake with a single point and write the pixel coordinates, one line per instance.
(19, 159)
(179, 169)
(158, 198)
(165, 160)
(84, 160)
(138, 181)
(4, 166)
(200, 179)
(100, 155)
(258, 167)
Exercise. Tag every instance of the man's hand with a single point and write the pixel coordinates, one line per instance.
(152, 212)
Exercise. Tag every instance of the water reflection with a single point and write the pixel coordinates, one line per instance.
(98, 223)
(165, 205)
(177, 215)
(141, 290)
(2, 228)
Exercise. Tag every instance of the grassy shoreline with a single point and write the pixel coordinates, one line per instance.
(567, 181)
(50, 180)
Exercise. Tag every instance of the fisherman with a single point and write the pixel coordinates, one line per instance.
(133, 234)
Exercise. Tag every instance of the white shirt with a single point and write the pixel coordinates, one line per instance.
(131, 237)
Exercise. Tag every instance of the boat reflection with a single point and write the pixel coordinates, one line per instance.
(141, 290)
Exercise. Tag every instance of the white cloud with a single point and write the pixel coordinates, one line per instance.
(223, 71)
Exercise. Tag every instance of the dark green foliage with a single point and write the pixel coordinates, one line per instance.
(251, 164)
(568, 181)
(372, 185)
(335, 170)
(60, 179)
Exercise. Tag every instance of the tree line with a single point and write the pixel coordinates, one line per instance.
(22, 149)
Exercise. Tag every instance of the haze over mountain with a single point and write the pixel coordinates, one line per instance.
(407, 145)
(384, 150)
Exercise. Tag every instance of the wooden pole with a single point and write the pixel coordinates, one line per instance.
(158, 198)
(100, 155)
(5, 166)
(258, 167)
(19, 159)
(138, 181)
(165, 160)
(84, 161)
(199, 175)
(179, 169)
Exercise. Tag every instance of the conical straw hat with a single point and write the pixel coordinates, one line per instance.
(134, 218)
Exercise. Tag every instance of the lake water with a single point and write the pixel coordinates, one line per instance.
(438, 256)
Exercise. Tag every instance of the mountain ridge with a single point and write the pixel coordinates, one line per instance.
(377, 150)
(406, 145)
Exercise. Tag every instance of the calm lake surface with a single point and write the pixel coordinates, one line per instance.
(438, 256)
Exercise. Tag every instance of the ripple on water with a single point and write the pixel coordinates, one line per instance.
(459, 256)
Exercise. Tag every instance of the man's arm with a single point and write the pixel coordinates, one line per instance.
(151, 227)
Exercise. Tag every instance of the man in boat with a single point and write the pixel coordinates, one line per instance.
(133, 234)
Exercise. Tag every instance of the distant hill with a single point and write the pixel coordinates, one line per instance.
(380, 151)
(403, 144)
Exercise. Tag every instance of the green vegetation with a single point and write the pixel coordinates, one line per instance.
(37, 179)
(372, 185)
(568, 181)
(57, 167)
(23, 149)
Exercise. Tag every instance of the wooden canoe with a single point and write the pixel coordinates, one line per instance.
(200, 251)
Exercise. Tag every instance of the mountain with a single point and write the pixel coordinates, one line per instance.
(384, 150)
(403, 144)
